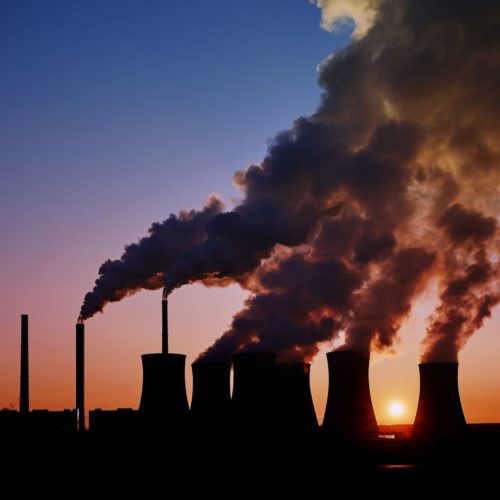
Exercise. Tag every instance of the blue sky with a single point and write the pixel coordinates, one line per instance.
(115, 114)
(158, 102)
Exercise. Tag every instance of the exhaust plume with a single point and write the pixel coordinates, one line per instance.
(391, 183)
(142, 264)
(405, 142)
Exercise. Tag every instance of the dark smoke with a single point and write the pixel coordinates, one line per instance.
(143, 264)
(392, 182)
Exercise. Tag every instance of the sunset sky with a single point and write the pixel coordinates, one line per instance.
(116, 114)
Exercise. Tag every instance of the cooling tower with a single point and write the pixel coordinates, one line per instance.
(24, 396)
(253, 391)
(294, 405)
(164, 405)
(349, 412)
(211, 403)
(439, 411)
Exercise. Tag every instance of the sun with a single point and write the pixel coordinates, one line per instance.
(396, 409)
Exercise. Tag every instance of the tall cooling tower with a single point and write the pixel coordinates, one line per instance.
(211, 402)
(349, 412)
(164, 406)
(253, 392)
(295, 412)
(439, 411)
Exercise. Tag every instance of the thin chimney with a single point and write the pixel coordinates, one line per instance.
(24, 399)
(164, 326)
(80, 375)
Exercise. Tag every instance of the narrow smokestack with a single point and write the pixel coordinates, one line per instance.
(295, 412)
(24, 397)
(164, 326)
(349, 412)
(439, 411)
(253, 391)
(80, 376)
(211, 402)
(164, 406)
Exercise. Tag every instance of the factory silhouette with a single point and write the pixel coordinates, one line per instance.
(269, 399)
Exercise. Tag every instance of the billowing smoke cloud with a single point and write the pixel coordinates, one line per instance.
(143, 264)
(470, 283)
(391, 183)
(335, 13)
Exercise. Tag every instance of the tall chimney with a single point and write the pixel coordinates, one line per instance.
(211, 402)
(80, 376)
(253, 391)
(439, 410)
(349, 412)
(24, 397)
(294, 405)
(164, 326)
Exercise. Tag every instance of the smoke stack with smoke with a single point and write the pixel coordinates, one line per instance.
(164, 325)
(143, 264)
(392, 182)
(80, 376)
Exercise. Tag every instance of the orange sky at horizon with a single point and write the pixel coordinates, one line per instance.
(116, 339)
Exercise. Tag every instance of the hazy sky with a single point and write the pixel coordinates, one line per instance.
(117, 113)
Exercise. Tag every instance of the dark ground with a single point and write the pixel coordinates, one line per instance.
(250, 466)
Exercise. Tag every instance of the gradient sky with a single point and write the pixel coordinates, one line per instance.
(117, 113)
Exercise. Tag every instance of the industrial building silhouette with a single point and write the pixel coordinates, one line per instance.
(268, 399)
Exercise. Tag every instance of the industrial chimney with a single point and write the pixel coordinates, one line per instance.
(164, 407)
(80, 376)
(295, 412)
(211, 402)
(24, 397)
(253, 392)
(439, 411)
(349, 412)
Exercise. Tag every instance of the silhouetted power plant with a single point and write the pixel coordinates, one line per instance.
(24, 397)
(439, 411)
(267, 398)
(349, 412)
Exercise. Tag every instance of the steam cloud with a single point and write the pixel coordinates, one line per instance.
(391, 183)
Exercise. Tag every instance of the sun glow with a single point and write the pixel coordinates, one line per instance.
(396, 409)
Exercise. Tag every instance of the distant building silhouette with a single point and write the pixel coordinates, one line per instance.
(121, 421)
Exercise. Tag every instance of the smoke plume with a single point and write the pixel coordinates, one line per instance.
(391, 183)
(143, 264)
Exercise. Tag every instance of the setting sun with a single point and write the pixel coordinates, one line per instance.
(396, 409)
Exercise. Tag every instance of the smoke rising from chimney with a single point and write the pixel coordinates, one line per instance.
(391, 183)
(143, 264)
